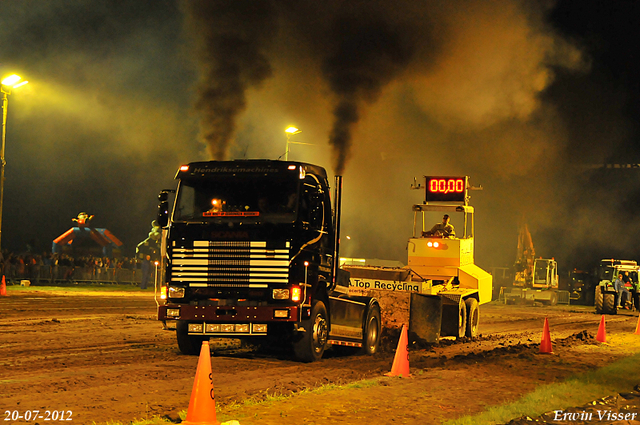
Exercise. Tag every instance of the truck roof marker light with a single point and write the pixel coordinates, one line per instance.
(184, 168)
(291, 167)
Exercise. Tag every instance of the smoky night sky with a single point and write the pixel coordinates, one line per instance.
(526, 97)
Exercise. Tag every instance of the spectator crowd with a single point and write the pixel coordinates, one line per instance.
(65, 268)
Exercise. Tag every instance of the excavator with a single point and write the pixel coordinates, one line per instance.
(535, 278)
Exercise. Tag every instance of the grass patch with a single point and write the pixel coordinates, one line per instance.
(576, 391)
(232, 411)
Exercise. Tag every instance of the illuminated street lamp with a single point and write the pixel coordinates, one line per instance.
(11, 82)
(290, 132)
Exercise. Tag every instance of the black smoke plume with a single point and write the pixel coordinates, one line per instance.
(231, 38)
(362, 56)
(359, 50)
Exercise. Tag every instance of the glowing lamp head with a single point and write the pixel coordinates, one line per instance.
(184, 168)
(11, 80)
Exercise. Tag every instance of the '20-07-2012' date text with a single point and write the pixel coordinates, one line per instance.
(44, 415)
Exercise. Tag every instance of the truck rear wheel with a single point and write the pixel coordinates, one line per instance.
(454, 320)
(473, 317)
(311, 346)
(371, 340)
(599, 300)
(188, 344)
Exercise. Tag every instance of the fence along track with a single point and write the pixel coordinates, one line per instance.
(61, 275)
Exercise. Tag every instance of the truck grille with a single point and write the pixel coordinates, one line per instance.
(230, 264)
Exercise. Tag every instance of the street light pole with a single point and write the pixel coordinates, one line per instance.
(5, 103)
(5, 87)
(290, 132)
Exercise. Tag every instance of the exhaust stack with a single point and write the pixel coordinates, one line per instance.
(337, 211)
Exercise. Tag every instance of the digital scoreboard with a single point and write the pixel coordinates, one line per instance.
(445, 189)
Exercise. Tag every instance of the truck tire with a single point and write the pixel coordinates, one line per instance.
(311, 346)
(473, 317)
(609, 304)
(599, 300)
(454, 320)
(462, 319)
(188, 344)
(553, 298)
(371, 340)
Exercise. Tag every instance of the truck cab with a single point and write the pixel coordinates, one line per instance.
(249, 252)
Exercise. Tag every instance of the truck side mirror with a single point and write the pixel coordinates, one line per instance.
(163, 209)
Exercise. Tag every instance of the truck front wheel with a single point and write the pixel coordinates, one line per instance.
(311, 346)
(473, 317)
(188, 344)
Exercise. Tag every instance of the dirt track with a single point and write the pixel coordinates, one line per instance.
(104, 357)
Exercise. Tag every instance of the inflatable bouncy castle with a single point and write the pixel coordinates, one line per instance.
(83, 235)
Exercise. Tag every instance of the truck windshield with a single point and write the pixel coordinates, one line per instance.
(237, 198)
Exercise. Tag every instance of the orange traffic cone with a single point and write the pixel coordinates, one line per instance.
(3, 288)
(401, 360)
(545, 342)
(202, 406)
(602, 332)
(637, 332)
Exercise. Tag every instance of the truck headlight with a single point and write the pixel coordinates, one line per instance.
(281, 294)
(195, 328)
(212, 327)
(175, 292)
(244, 328)
(259, 328)
(281, 314)
(173, 312)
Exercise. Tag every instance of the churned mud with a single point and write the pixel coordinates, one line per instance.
(104, 357)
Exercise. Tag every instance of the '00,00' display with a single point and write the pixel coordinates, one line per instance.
(446, 186)
(446, 189)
